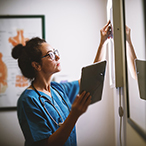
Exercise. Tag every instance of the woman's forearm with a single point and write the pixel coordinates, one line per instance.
(131, 56)
(100, 53)
(105, 33)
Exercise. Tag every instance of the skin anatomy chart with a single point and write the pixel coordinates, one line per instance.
(14, 31)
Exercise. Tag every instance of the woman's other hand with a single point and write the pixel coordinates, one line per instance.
(81, 103)
(128, 31)
(106, 32)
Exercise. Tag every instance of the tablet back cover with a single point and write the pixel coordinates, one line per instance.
(92, 80)
(141, 75)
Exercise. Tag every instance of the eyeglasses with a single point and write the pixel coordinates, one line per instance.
(52, 54)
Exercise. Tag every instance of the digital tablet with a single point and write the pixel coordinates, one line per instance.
(141, 76)
(92, 80)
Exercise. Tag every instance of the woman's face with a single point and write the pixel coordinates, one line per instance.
(49, 65)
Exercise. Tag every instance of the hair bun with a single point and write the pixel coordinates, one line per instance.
(17, 51)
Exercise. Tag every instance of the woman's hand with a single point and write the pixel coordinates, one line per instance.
(81, 103)
(105, 32)
(128, 30)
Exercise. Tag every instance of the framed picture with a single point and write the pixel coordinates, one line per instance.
(15, 30)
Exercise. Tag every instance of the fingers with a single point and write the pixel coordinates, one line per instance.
(106, 25)
(85, 98)
(80, 97)
(106, 32)
(106, 28)
(128, 30)
(87, 101)
(127, 27)
(81, 103)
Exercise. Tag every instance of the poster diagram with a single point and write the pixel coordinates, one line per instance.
(14, 31)
(3, 75)
(18, 39)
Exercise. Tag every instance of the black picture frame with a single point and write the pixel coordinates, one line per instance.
(5, 19)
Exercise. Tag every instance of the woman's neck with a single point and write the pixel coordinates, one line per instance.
(42, 84)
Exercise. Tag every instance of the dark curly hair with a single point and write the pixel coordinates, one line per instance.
(27, 54)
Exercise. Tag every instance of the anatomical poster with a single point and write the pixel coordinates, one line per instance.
(15, 30)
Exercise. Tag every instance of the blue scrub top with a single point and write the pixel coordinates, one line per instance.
(35, 123)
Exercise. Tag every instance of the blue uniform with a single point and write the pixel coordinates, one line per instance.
(35, 123)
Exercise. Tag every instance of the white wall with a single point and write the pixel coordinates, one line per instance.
(73, 27)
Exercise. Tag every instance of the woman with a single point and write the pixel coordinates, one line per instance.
(54, 124)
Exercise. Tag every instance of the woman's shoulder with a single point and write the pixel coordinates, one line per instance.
(27, 95)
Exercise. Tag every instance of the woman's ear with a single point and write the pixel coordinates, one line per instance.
(36, 66)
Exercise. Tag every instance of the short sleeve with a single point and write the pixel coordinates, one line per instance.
(33, 122)
(71, 89)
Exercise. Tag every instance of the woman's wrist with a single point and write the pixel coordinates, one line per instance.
(74, 115)
(101, 43)
(129, 42)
